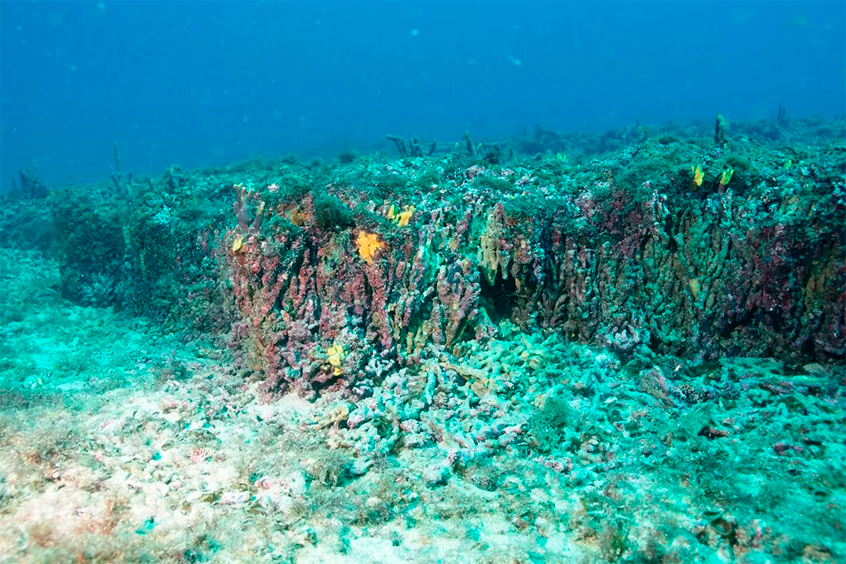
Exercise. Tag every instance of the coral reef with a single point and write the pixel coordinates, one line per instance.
(649, 265)
(624, 348)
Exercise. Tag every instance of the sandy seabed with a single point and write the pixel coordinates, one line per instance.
(121, 444)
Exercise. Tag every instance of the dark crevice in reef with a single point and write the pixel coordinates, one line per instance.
(498, 298)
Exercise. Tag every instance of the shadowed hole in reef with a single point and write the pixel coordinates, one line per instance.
(498, 298)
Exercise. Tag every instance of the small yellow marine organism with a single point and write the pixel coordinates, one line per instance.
(237, 244)
(698, 175)
(725, 177)
(401, 218)
(368, 244)
(335, 356)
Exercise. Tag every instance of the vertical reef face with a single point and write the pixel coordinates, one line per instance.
(674, 263)
(331, 276)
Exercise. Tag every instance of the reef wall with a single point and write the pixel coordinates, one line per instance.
(664, 266)
(329, 275)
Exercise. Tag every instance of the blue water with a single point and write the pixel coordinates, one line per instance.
(210, 83)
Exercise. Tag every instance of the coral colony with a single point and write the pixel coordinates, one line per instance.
(554, 348)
